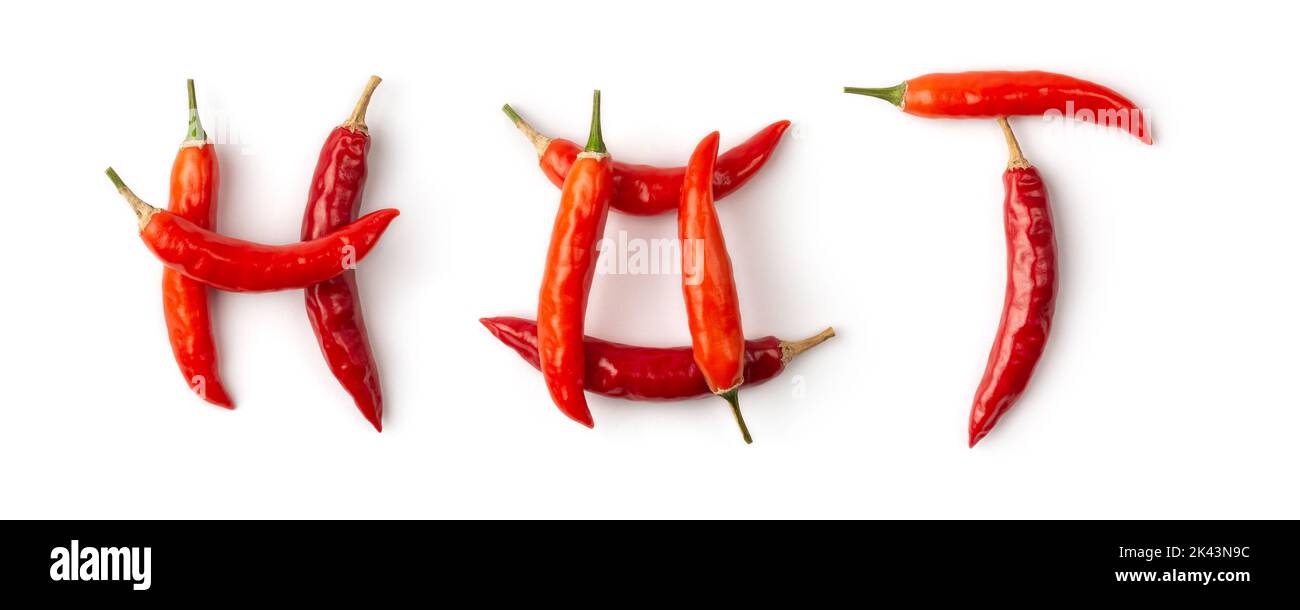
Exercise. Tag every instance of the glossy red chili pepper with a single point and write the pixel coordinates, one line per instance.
(193, 195)
(570, 265)
(646, 190)
(334, 307)
(709, 289)
(631, 372)
(236, 265)
(993, 94)
(1031, 293)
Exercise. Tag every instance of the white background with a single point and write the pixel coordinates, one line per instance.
(1168, 389)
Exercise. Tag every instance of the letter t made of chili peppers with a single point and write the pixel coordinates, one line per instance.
(570, 266)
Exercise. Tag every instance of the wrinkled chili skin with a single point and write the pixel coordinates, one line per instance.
(646, 190)
(566, 281)
(990, 94)
(334, 306)
(1030, 300)
(712, 303)
(236, 265)
(195, 181)
(641, 373)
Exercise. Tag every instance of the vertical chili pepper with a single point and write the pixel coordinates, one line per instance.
(570, 266)
(193, 195)
(334, 307)
(1031, 292)
(712, 305)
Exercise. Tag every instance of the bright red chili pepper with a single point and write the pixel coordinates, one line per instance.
(993, 94)
(236, 265)
(334, 307)
(709, 289)
(646, 190)
(1031, 293)
(193, 195)
(652, 373)
(570, 265)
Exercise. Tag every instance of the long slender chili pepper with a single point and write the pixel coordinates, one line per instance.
(236, 265)
(193, 196)
(334, 307)
(653, 373)
(709, 289)
(570, 265)
(1031, 293)
(993, 94)
(646, 190)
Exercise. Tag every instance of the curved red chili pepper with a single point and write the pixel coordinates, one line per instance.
(646, 190)
(1031, 293)
(570, 266)
(708, 287)
(639, 373)
(236, 265)
(991, 94)
(334, 307)
(193, 195)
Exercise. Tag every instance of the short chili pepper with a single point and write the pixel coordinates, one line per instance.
(236, 265)
(639, 373)
(646, 190)
(195, 179)
(1031, 292)
(991, 94)
(570, 266)
(709, 289)
(334, 307)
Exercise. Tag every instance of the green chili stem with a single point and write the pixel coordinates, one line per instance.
(893, 95)
(196, 133)
(732, 397)
(595, 142)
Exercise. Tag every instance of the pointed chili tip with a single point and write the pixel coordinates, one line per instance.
(595, 141)
(893, 95)
(975, 437)
(583, 418)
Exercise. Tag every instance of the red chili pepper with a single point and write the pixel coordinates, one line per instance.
(1031, 293)
(570, 265)
(646, 190)
(236, 265)
(193, 195)
(334, 307)
(999, 94)
(709, 289)
(652, 373)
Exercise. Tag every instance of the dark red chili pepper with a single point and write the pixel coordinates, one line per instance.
(1031, 293)
(645, 190)
(236, 265)
(334, 307)
(193, 195)
(999, 93)
(708, 287)
(652, 373)
(570, 266)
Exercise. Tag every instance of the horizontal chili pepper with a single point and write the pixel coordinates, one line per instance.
(708, 286)
(193, 195)
(992, 94)
(236, 265)
(570, 267)
(1031, 292)
(334, 306)
(631, 372)
(646, 190)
